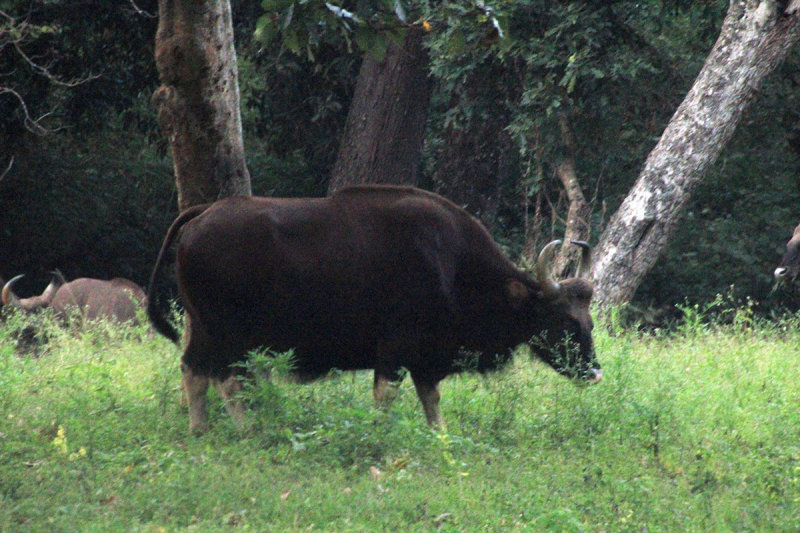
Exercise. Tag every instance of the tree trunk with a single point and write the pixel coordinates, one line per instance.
(532, 224)
(385, 127)
(579, 211)
(754, 40)
(198, 101)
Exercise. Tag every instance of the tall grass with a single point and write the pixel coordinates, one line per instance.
(690, 431)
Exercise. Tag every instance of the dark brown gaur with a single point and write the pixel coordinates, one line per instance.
(789, 267)
(373, 277)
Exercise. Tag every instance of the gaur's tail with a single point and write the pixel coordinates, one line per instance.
(154, 313)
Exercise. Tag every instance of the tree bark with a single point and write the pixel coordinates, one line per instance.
(754, 39)
(198, 101)
(385, 127)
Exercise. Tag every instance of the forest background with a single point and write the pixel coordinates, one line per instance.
(87, 182)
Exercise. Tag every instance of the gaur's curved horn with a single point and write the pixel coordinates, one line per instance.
(57, 281)
(9, 298)
(549, 286)
(585, 267)
(58, 276)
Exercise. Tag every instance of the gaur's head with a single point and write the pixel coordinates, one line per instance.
(34, 303)
(789, 267)
(559, 317)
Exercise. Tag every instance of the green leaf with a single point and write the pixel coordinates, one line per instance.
(396, 35)
(276, 5)
(266, 30)
(372, 42)
(457, 42)
(380, 47)
(292, 40)
(363, 38)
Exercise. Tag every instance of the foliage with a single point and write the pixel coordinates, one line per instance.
(67, 69)
(599, 64)
(372, 25)
(293, 111)
(304, 26)
(100, 211)
(693, 431)
(96, 196)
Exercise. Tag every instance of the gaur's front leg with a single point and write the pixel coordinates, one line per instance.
(428, 393)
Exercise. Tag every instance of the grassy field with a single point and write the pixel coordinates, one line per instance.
(698, 430)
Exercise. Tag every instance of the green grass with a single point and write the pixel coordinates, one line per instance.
(694, 431)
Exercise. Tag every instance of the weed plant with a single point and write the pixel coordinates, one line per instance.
(692, 430)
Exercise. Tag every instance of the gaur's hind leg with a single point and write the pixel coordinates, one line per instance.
(388, 373)
(194, 383)
(429, 396)
(228, 389)
(196, 388)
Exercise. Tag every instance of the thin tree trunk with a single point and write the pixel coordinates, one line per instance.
(198, 101)
(579, 211)
(533, 221)
(754, 40)
(385, 127)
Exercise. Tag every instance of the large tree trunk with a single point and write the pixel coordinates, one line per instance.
(755, 38)
(198, 101)
(385, 128)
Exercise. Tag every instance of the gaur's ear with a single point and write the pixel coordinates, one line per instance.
(517, 293)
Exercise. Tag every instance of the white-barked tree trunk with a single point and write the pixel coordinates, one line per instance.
(754, 39)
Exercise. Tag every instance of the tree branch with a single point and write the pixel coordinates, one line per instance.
(31, 124)
(6, 171)
(142, 12)
(17, 34)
